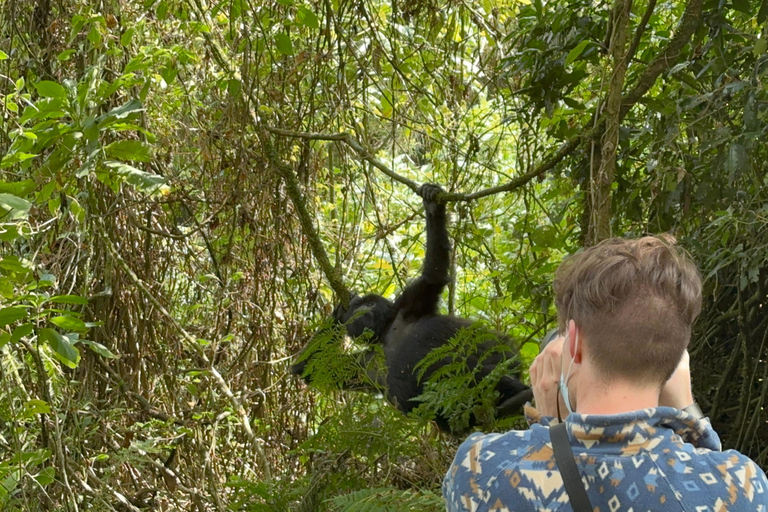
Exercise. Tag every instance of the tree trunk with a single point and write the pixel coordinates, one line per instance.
(602, 180)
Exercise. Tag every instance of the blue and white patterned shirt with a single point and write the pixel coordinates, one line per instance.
(649, 460)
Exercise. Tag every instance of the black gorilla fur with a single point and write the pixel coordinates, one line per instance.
(411, 327)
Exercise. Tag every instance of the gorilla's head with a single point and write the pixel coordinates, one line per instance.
(371, 311)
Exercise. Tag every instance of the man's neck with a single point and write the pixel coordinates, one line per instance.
(597, 397)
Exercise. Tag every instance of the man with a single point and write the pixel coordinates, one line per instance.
(625, 312)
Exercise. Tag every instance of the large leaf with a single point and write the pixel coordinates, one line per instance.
(128, 150)
(69, 323)
(11, 315)
(574, 54)
(21, 331)
(143, 181)
(120, 112)
(17, 188)
(99, 349)
(284, 44)
(18, 207)
(307, 17)
(68, 354)
(762, 14)
(48, 89)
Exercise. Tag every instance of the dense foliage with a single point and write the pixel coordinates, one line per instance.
(187, 186)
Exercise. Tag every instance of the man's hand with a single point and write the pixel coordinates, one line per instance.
(676, 392)
(545, 374)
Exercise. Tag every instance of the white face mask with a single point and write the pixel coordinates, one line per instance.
(563, 384)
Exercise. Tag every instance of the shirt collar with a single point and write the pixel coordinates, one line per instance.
(638, 431)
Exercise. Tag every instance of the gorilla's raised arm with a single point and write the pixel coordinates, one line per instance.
(421, 297)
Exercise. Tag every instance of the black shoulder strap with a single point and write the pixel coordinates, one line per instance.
(568, 470)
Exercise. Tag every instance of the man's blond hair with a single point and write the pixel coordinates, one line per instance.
(635, 302)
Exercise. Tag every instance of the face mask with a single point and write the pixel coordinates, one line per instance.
(563, 384)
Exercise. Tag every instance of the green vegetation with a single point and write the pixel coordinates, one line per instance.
(186, 187)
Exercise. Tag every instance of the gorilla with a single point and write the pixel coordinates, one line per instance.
(410, 327)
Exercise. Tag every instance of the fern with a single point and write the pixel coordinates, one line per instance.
(454, 390)
(329, 361)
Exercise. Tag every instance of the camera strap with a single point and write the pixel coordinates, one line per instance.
(566, 464)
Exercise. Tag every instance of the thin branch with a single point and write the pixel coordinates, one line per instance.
(689, 22)
(245, 421)
(511, 185)
(363, 153)
(297, 198)
(640, 30)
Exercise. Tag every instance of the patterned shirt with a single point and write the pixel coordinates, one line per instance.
(649, 460)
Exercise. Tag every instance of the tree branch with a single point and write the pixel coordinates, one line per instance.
(294, 192)
(640, 30)
(192, 342)
(688, 24)
(365, 155)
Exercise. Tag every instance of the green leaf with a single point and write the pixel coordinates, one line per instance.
(286, 3)
(4, 339)
(69, 323)
(34, 407)
(283, 43)
(13, 158)
(9, 232)
(11, 315)
(68, 354)
(760, 46)
(68, 299)
(574, 54)
(307, 17)
(48, 89)
(743, 6)
(120, 112)
(128, 150)
(11, 202)
(143, 181)
(3, 55)
(99, 349)
(762, 15)
(65, 55)
(20, 332)
(125, 39)
(46, 476)
(17, 188)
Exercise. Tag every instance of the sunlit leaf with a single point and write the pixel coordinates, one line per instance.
(17, 188)
(307, 17)
(128, 150)
(34, 407)
(574, 54)
(68, 299)
(120, 112)
(68, 354)
(284, 44)
(144, 181)
(49, 89)
(98, 348)
(69, 323)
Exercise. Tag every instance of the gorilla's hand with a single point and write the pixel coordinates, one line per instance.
(429, 192)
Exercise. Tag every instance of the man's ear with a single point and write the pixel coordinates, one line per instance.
(575, 342)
